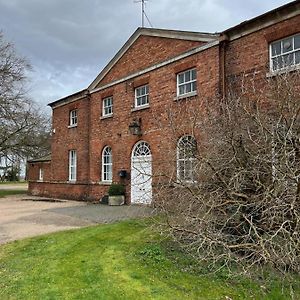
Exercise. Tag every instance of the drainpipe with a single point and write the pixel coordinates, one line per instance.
(222, 58)
(88, 96)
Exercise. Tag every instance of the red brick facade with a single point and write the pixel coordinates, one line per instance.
(153, 57)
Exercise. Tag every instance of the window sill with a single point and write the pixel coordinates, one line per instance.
(140, 108)
(283, 71)
(71, 181)
(72, 126)
(106, 117)
(185, 96)
(105, 182)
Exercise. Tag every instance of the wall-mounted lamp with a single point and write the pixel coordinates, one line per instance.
(135, 127)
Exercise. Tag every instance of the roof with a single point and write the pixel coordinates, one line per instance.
(69, 98)
(269, 18)
(41, 159)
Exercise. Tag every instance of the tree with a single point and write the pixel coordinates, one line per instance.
(24, 129)
(242, 205)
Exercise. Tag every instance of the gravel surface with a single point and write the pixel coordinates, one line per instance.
(26, 216)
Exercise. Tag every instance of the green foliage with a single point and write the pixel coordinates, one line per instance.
(13, 174)
(116, 189)
(124, 260)
(4, 193)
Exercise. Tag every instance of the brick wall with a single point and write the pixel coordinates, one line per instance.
(145, 52)
(247, 58)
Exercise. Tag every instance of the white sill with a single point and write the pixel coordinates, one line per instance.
(71, 181)
(106, 117)
(140, 107)
(105, 182)
(72, 126)
(283, 71)
(184, 96)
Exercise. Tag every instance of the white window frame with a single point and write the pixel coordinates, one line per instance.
(183, 161)
(142, 95)
(41, 174)
(187, 82)
(72, 165)
(73, 118)
(107, 164)
(282, 54)
(107, 106)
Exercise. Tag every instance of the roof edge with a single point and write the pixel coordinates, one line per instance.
(41, 159)
(266, 19)
(70, 98)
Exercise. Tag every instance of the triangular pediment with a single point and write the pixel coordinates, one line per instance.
(148, 47)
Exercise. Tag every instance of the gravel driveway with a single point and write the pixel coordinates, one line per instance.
(26, 216)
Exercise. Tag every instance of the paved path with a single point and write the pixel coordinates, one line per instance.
(26, 216)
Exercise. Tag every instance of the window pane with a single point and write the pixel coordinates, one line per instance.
(297, 57)
(288, 60)
(181, 78)
(297, 41)
(276, 48)
(287, 45)
(187, 76)
(194, 86)
(181, 90)
(194, 74)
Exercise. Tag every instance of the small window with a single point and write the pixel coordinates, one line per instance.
(107, 106)
(73, 117)
(186, 160)
(142, 96)
(107, 164)
(41, 174)
(186, 82)
(72, 165)
(285, 53)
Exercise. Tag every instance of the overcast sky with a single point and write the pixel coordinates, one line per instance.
(68, 42)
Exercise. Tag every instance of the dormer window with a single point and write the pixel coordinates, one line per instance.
(285, 53)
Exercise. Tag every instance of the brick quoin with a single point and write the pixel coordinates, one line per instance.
(220, 61)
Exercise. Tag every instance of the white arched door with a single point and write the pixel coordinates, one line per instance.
(141, 174)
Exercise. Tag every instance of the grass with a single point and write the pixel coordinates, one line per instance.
(124, 260)
(14, 182)
(4, 193)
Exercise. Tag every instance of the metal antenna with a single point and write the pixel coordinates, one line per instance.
(143, 13)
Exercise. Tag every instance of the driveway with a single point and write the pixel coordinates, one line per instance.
(26, 216)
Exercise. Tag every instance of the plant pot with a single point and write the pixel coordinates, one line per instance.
(116, 200)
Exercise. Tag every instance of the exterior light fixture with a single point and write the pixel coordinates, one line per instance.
(135, 127)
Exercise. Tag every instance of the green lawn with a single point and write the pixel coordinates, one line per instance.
(4, 193)
(14, 182)
(119, 261)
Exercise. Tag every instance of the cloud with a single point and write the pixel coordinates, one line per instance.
(69, 42)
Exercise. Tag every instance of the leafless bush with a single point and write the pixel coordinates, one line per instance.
(242, 206)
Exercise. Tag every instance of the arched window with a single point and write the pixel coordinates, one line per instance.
(186, 160)
(141, 149)
(107, 164)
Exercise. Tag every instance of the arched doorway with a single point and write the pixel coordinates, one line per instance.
(141, 174)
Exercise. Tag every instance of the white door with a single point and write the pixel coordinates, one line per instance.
(141, 174)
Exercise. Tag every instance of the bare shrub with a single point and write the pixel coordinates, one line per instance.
(242, 204)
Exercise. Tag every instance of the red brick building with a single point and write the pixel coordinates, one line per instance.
(117, 130)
